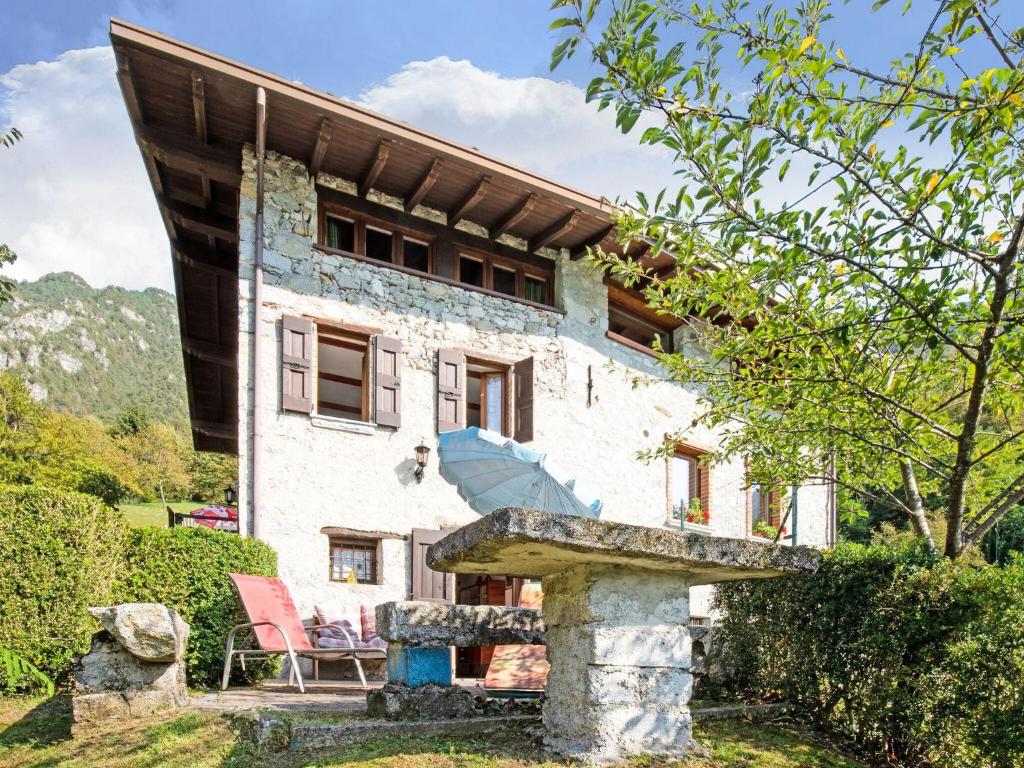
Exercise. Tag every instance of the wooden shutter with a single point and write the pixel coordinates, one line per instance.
(428, 584)
(387, 381)
(296, 364)
(451, 377)
(522, 372)
(774, 508)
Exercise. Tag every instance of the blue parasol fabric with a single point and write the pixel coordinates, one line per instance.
(491, 472)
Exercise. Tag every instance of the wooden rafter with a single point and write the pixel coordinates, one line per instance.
(375, 167)
(470, 201)
(210, 351)
(555, 231)
(199, 220)
(190, 156)
(580, 250)
(323, 140)
(424, 185)
(199, 259)
(215, 429)
(199, 106)
(519, 212)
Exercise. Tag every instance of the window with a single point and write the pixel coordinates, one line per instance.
(355, 561)
(415, 254)
(342, 380)
(340, 234)
(689, 487)
(487, 396)
(471, 271)
(536, 289)
(475, 392)
(765, 510)
(623, 325)
(505, 281)
(378, 244)
(356, 371)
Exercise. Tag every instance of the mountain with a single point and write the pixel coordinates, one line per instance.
(94, 350)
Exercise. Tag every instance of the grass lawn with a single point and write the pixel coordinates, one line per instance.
(34, 734)
(153, 513)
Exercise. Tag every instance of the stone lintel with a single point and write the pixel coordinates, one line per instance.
(424, 624)
(533, 544)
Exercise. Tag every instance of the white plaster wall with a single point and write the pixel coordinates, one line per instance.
(315, 476)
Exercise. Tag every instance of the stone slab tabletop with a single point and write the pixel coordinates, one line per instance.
(533, 544)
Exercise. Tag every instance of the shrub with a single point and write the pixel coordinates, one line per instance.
(913, 659)
(60, 551)
(187, 568)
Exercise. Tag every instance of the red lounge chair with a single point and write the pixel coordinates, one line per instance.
(274, 623)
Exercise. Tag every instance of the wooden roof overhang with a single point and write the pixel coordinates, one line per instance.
(192, 112)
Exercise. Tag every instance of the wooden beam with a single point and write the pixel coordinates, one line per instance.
(195, 258)
(199, 106)
(424, 185)
(214, 429)
(600, 237)
(210, 352)
(374, 169)
(323, 140)
(131, 96)
(190, 156)
(555, 231)
(474, 196)
(514, 216)
(199, 220)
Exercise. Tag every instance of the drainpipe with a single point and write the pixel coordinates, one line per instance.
(792, 513)
(257, 298)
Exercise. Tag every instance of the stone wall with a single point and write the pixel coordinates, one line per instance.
(319, 472)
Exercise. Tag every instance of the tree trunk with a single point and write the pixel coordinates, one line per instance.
(916, 505)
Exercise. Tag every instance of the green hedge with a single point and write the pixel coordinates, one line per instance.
(911, 659)
(59, 553)
(187, 568)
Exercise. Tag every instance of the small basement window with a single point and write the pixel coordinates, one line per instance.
(342, 374)
(355, 561)
(487, 396)
(378, 244)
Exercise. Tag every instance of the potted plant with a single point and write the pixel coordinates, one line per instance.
(695, 513)
(765, 530)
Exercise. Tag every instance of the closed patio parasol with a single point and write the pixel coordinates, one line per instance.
(491, 472)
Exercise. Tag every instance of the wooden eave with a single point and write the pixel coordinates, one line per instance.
(193, 111)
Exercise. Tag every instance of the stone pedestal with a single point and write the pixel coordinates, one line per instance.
(619, 650)
(616, 610)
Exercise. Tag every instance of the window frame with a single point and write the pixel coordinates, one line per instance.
(703, 474)
(356, 543)
(489, 262)
(363, 222)
(365, 334)
(633, 317)
(502, 370)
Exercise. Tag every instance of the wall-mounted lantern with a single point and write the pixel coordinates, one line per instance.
(422, 454)
(230, 495)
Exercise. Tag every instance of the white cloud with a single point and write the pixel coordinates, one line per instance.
(539, 124)
(75, 195)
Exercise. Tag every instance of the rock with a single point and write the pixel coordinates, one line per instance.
(425, 624)
(149, 631)
(403, 702)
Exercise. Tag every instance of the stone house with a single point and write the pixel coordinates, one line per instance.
(362, 286)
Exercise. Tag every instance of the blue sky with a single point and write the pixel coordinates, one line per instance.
(475, 71)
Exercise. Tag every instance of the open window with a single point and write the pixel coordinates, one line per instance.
(338, 371)
(477, 392)
(765, 510)
(689, 487)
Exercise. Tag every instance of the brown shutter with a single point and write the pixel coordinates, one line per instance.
(428, 584)
(523, 374)
(387, 381)
(774, 508)
(296, 364)
(451, 377)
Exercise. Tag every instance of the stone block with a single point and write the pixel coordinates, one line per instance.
(425, 624)
(108, 666)
(403, 702)
(149, 631)
(91, 709)
(419, 666)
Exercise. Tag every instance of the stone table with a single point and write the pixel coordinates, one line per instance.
(616, 611)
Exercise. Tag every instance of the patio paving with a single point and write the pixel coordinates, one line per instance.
(322, 695)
